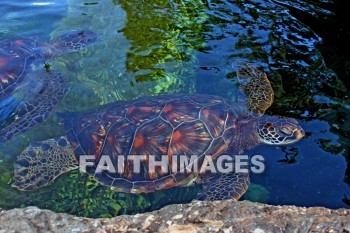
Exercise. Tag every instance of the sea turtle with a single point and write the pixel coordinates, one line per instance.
(27, 97)
(170, 125)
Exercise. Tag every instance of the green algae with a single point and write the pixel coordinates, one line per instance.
(257, 193)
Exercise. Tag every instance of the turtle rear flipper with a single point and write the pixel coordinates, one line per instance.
(42, 162)
(38, 97)
(256, 87)
(222, 186)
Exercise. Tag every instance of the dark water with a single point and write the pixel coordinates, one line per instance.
(152, 48)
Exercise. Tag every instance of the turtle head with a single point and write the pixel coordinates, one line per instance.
(274, 130)
(72, 42)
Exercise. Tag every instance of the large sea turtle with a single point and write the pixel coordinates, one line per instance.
(27, 97)
(170, 125)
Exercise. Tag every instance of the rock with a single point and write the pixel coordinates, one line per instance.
(219, 216)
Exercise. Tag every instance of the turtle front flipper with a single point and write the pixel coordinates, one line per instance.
(7, 107)
(256, 87)
(222, 186)
(34, 101)
(42, 162)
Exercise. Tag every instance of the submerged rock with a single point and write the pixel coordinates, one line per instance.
(219, 216)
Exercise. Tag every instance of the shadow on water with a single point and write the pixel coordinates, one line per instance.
(151, 48)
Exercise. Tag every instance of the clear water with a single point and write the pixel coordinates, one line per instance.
(152, 48)
(23, 18)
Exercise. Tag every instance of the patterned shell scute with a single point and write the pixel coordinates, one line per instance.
(144, 111)
(214, 117)
(170, 125)
(180, 111)
(15, 57)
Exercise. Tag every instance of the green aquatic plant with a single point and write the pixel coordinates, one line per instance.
(47, 66)
(257, 193)
(78, 193)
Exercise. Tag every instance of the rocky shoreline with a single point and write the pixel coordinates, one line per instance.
(219, 216)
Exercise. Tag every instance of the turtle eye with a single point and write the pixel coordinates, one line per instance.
(286, 130)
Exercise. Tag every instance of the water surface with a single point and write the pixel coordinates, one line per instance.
(153, 48)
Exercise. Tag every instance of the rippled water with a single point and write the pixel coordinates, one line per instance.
(25, 18)
(151, 48)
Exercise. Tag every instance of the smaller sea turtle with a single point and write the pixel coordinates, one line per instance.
(170, 125)
(27, 97)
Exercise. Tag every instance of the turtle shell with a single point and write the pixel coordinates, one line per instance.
(15, 59)
(170, 125)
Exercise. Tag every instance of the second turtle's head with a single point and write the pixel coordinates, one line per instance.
(74, 41)
(274, 130)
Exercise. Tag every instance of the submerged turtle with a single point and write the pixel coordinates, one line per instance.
(27, 97)
(170, 125)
